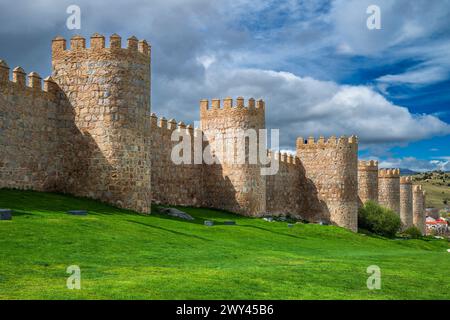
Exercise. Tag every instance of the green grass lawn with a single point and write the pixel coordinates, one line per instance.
(124, 255)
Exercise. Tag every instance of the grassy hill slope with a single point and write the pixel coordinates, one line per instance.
(123, 255)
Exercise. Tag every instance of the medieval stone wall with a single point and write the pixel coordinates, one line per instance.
(367, 181)
(89, 132)
(285, 190)
(173, 182)
(29, 135)
(389, 189)
(418, 207)
(109, 91)
(231, 184)
(406, 202)
(332, 169)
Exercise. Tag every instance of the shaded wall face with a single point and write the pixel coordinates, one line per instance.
(109, 92)
(406, 205)
(172, 182)
(29, 138)
(419, 215)
(235, 187)
(332, 169)
(389, 193)
(286, 191)
(367, 185)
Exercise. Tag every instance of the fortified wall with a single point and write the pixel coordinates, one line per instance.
(284, 188)
(367, 181)
(174, 183)
(231, 184)
(386, 187)
(406, 202)
(389, 189)
(331, 166)
(30, 127)
(419, 215)
(108, 90)
(88, 130)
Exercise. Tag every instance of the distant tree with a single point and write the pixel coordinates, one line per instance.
(413, 232)
(379, 220)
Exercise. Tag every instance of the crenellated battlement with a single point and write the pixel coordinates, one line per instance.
(389, 189)
(389, 173)
(418, 188)
(284, 157)
(405, 180)
(98, 44)
(170, 125)
(31, 83)
(4, 71)
(226, 107)
(331, 142)
(370, 165)
(367, 181)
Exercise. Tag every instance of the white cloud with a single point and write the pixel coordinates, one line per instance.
(206, 61)
(415, 164)
(446, 158)
(344, 48)
(402, 22)
(409, 30)
(419, 76)
(303, 106)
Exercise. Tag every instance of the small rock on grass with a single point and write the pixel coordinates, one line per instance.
(5, 214)
(173, 212)
(78, 212)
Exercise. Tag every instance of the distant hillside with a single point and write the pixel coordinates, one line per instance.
(437, 186)
(407, 172)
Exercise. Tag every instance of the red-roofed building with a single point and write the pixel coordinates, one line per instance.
(436, 226)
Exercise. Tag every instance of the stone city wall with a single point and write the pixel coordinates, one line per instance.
(419, 215)
(175, 183)
(29, 135)
(406, 202)
(368, 181)
(230, 185)
(285, 190)
(331, 168)
(389, 189)
(108, 89)
(89, 132)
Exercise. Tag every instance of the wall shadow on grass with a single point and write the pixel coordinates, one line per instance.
(171, 231)
(271, 231)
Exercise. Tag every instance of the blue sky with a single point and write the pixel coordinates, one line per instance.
(317, 65)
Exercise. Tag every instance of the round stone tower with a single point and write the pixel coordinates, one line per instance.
(232, 174)
(332, 168)
(389, 189)
(108, 93)
(368, 181)
(406, 202)
(419, 216)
